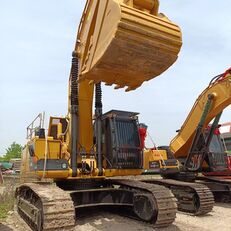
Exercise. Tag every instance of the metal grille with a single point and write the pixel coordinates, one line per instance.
(218, 161)
(128, 158)
(127, 134)
(122, 141)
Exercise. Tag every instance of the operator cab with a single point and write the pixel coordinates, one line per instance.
(121, 140)
(217, 157)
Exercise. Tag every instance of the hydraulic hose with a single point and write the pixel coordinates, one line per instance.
(74, 113)
(98, 123)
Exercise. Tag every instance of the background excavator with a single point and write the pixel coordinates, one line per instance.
(121, 42)
(197, 148)
(225, 134)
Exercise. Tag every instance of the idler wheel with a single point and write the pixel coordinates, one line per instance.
(145, 207)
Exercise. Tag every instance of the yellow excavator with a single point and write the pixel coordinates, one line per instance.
(196, 149)
(69, 167)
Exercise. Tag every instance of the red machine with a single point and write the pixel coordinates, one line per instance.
(225, 133)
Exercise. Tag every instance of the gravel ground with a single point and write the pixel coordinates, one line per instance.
(218, 219)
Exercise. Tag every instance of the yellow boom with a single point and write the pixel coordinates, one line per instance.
(220, 90)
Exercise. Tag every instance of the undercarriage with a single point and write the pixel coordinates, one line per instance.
(48, 207)
(219, 185)
(193, 198)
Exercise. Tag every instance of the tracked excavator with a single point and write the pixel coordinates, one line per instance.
(69, 168)
(196, 149)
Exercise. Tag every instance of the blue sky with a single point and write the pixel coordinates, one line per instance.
(36, 42)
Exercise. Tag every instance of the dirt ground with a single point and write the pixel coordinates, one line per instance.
(218, 219)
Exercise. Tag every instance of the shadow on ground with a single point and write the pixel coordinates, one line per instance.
(5, 228)
(224, 205)
(104, 221)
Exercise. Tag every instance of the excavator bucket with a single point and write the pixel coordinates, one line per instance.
(125, 42)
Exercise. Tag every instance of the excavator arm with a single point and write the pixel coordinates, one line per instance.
(209, 105)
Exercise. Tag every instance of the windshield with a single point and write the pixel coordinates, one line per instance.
(216, 145)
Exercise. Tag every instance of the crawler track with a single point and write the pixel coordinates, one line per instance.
(164, 200)
(219, 185)
(193, 198)
(47, 207)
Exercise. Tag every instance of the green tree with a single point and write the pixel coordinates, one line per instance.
(13, 151)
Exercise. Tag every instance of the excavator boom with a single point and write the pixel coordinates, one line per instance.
(220, 92)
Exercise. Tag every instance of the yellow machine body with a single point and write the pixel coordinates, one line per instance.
(126, 42)
(54, 147)
(121, 42)
(155, 160)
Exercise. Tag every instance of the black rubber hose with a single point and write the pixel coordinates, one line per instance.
(98, 121)
(74, 113)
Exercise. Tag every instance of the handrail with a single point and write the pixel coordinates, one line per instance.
(32, 128)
